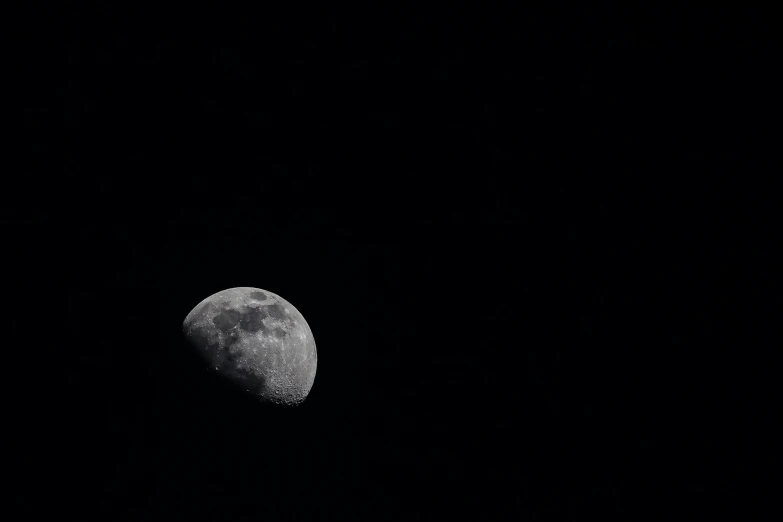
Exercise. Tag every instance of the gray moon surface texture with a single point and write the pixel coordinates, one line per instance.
(257, 340)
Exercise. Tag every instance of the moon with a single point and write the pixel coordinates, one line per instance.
(257, 340)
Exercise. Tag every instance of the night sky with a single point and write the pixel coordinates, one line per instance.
(537, 291)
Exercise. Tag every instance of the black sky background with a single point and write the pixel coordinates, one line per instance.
(539, 290)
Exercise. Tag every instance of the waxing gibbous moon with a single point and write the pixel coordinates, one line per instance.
(257, 340)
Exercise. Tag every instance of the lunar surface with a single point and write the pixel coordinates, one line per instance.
(256, 339)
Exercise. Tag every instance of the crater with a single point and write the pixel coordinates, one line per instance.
(226, 320)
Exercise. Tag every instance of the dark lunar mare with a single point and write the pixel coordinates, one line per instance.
(226, 320)
(276, 311)
(231, 339)
(253, 320)
(226, 357)
(249, 381)
(200, 337)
